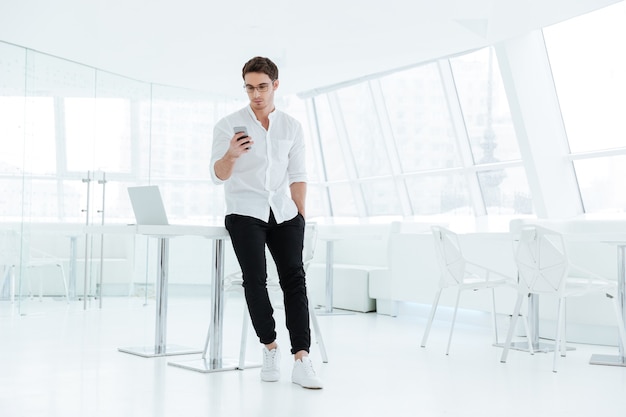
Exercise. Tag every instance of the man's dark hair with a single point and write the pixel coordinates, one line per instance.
(261, 64)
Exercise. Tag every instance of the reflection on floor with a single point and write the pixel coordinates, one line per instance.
(60, 360)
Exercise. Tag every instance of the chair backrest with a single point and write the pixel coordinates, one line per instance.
(449, 256)
(541, 259)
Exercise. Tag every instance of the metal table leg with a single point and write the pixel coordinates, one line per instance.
(214, 339)
(72, 272)
(160, 347)
(533, 324)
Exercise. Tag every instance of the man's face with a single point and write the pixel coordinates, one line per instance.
(260, 89)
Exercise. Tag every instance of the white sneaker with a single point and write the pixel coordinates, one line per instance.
(270, 372)
(304, 375)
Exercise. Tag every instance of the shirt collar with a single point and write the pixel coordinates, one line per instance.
(251, 113)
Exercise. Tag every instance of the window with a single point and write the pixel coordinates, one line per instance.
(589, 68)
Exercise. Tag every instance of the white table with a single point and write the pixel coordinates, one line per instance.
(619, 241)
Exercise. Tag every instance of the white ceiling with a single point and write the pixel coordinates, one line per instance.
(202, 44)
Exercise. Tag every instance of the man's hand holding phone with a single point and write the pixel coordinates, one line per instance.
(243, 140)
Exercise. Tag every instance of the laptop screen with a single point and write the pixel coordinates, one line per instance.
(147, 205)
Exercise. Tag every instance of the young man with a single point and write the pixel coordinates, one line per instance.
(258, 154)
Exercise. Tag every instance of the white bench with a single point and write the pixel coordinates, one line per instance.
(350, 286)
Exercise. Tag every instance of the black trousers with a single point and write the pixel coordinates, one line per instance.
(249, 237)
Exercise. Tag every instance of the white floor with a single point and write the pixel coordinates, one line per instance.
(60, 360)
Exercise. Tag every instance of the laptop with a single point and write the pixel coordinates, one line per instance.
(148, 205)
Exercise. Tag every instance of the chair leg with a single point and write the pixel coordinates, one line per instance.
(493, 316)
(563, 343)
(559, 334)
(209, 333)
(456, 308)
(531, 350)
(67, 293)
(318, 334)
(509, 336)
(431, 316)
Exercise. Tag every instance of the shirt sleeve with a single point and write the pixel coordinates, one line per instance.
(297, 157)
(221, 141)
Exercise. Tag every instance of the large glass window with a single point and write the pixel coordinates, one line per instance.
(485, 107)
(589, 68)
(420, 119)
(491, 134)
(364, 135)
(394, 145)
(342, 200)
(415, 142)
(505, 191)
(329, 141)
(439, 194)
(601, 183)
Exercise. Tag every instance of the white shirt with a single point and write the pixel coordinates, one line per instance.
(262, 176)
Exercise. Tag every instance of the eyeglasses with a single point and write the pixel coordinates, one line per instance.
(261, 88)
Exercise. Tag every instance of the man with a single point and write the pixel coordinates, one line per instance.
(258, 154)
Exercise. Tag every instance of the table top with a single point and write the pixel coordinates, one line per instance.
(209, 231)
(214, 231)
(611, 238)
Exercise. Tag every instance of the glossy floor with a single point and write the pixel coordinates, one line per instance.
(60, 360)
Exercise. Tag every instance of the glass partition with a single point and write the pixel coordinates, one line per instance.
(12, 117)
(74, 138)
(12, 101)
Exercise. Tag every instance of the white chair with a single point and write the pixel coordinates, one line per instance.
(545, 268)
(234, 281)
(457, 272)
(11, 245)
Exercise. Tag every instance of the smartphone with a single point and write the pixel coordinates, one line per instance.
(244, 130)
